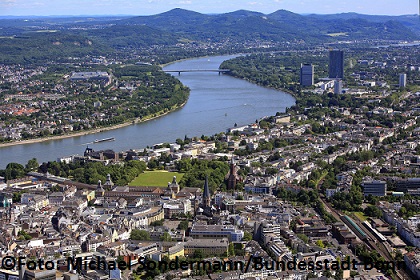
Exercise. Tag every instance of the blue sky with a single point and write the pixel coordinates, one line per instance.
(149, 7)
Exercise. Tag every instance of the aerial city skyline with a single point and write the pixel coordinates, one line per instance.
(202, 143)
(149, 7)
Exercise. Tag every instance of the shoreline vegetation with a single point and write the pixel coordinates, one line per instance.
(93, 131)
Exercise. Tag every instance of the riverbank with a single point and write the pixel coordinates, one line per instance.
(93, 131)
(216, 102)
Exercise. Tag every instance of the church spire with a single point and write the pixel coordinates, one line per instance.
(206, 193)
(233, 176)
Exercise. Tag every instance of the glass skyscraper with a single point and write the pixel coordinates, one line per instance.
(306, 74)
(336, 65)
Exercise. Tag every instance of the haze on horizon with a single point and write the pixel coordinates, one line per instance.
(151, 7)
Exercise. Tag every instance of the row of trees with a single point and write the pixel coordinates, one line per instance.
(196, 172)
(85, 172)
(90, 172)
(15, 170)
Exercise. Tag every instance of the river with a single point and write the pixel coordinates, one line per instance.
(216, 103)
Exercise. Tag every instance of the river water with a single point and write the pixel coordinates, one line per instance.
(216, 103)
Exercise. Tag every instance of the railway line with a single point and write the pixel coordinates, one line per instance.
(372, 241)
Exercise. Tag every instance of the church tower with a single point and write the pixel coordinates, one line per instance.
(108, 183)
(233, 176)
(206, 194)
(99, 190)
(174, 185)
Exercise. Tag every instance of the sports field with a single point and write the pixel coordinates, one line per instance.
(155, 179)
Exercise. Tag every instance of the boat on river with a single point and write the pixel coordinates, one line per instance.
(104, 140)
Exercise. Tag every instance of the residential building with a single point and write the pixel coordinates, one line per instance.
(412, 262)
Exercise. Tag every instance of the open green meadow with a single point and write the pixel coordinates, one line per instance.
(155, 179)
(361, 216)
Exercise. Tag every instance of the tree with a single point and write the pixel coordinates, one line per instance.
(231, 250)
(157, 223)
(247, 236)
(14, 171)
(32, 165)
(183, 225)
(373, 211)
(24, 235)
(137, 234)
(271, 171)
(320, 244)
(198, 254)
(303, 237)
(17, 196)
(166, 237)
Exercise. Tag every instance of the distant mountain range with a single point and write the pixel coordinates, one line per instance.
(280, 25)
(26, 39)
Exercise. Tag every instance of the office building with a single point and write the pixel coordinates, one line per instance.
(374, 188)
(338, 86)
(306, 75)
(409, 186)
(209, 247)
(403, 80)
(216, 231)
(336, 65)
(38, 274)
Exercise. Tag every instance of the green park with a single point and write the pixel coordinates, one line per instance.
(155, 178)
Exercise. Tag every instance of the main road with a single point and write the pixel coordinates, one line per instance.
(216, 103)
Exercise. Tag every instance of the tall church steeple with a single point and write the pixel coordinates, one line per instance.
(233, 176)
(206, 193)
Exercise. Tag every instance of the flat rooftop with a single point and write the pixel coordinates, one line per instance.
(88, 75)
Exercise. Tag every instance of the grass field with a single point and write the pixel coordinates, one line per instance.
(361, 216)
(155, 179)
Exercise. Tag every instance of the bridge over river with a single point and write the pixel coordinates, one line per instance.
(197, 70)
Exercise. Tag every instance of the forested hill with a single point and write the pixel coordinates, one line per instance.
(27, 40)
(280, 25)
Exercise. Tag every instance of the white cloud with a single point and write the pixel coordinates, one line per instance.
(7, 3)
